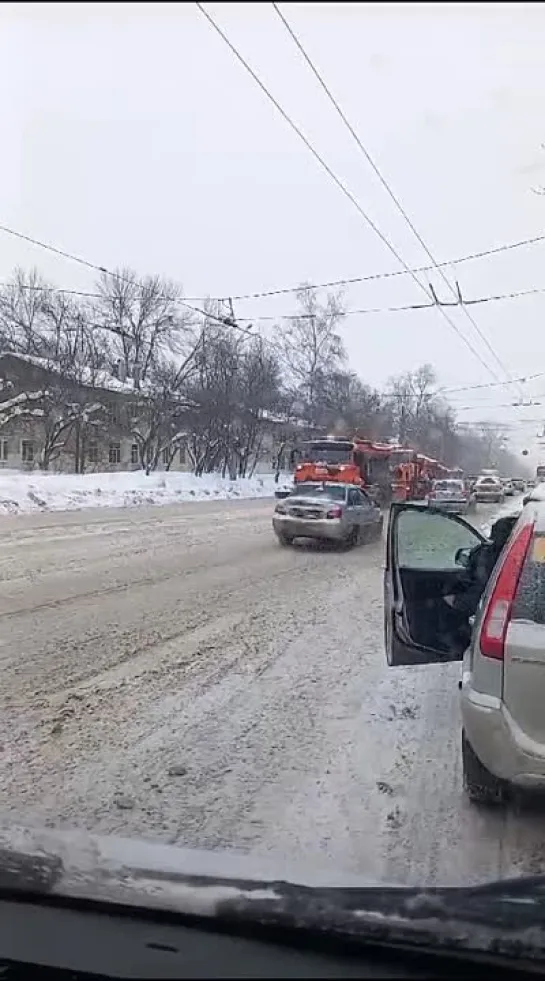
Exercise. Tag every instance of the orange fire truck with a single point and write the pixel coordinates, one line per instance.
(412, 476)
(386, 470)
(352, 461)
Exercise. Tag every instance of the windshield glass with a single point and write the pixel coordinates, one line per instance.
(334, 492)
(328, 452)
(194, 301)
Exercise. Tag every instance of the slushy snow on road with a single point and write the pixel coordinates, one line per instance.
(36, 491)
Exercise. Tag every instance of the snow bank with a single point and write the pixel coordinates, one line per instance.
(25, 492)
(513, 505)
(537, 493)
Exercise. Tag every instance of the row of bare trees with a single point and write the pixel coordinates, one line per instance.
(201, 379)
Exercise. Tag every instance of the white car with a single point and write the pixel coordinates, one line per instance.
(451, 495)
(501, 636)
(489, 490)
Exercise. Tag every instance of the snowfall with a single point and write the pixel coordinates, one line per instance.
(21, 493)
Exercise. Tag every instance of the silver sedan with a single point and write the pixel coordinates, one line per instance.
(334, 512)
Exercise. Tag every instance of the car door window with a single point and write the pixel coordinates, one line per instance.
(353, 498)
(364, 500)
(428, 540)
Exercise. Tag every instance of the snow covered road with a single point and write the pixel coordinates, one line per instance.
(172, 672)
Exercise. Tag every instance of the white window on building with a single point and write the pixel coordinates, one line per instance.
(92, 453)
(114, 453)
(114, 414)
(134, 454)
(27, 451)
(3, 450)
(166, 456)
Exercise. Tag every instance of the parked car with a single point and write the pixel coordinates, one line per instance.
(519, 485)
(452, 495)
(331, 511)
(428, 558)
(489, 490)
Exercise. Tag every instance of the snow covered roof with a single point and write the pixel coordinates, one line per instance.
(284, 419)
(103, 380)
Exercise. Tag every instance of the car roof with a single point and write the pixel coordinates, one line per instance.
(324, 483)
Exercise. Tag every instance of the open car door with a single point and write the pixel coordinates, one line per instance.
(426, 555)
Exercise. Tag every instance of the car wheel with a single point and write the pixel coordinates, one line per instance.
(481, 786)
(285, 540)
(352, 537)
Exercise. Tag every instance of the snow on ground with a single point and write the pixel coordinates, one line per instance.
(175, 675)
(35, 491)
(513, 505)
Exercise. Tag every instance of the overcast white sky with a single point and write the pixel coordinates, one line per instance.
(131, 136)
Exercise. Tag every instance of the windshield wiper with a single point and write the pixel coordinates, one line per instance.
(501, 922)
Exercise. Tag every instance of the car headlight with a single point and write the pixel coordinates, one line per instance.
(280, 509)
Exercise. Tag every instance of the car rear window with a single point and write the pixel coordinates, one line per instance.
(333, 492)
(448, 485)
(530, 599)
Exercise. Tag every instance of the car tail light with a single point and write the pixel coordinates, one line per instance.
(335, 512)
(500, 604)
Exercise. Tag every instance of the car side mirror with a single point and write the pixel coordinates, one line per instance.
(462, 557)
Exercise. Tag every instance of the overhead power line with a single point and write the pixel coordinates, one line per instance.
(393, 197)
(403, 308)
(333, 176)
(528, 404)
(361, 311)
(440, 392)
(473, 388)
(371, 277)
(89, 294)
(232, 322)
(225, 321)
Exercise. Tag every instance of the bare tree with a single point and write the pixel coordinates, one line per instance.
(145, 319)
(346, 406)
(22, 303)
(258, 397)
(160, 409)
(213, 391)
(236, 385)
(412, 398)
(311, 346)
